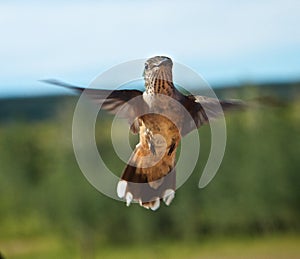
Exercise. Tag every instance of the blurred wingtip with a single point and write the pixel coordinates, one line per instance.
(57, 82)
(233, 104)
(52, 81)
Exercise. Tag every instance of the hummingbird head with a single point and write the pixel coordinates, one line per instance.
(158, 75)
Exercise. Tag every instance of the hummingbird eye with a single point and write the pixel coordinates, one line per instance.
(146, 66)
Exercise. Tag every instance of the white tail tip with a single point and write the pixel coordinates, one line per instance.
(168, 196)
(121, 188)
(129, 198)
(155, 204)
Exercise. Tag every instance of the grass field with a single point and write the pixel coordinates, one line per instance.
(268, 247)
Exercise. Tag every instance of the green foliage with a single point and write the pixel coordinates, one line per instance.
(256, 190)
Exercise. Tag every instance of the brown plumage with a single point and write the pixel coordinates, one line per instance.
(150, 174)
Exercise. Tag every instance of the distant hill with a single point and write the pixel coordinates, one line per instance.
(32, 109)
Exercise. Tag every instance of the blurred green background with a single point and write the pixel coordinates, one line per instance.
(251, 209)
(47, 207)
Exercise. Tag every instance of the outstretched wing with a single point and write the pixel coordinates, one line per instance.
(205, 109)
(116, 102)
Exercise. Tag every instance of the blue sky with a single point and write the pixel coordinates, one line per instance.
(225, 41)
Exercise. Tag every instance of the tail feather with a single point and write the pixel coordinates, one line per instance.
(147, 186)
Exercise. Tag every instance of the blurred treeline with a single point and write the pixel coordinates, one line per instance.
(256, 190)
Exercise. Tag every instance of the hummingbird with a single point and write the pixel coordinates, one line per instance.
(161, 115)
